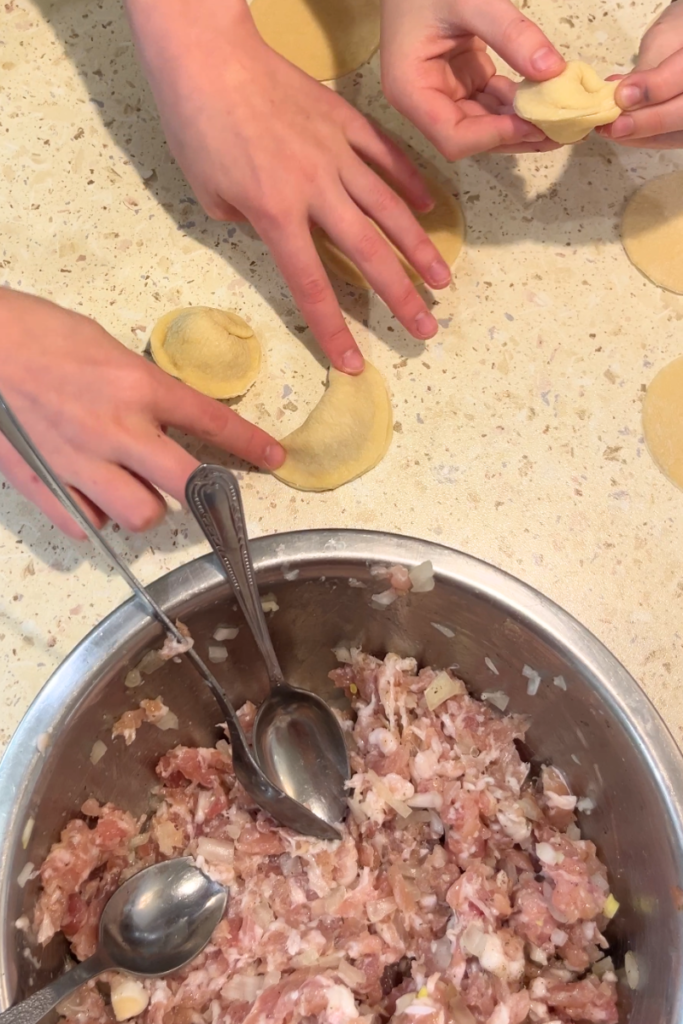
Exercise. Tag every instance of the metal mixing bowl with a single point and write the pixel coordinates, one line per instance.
(602, 731)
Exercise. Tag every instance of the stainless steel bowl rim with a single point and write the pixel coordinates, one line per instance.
(52, 707)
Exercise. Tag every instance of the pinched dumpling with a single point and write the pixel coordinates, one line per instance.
(213, 350)
(568, 107)
(347, 434)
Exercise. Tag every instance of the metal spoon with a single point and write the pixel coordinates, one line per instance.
(157, 922)
(273, 800)
(297, 739)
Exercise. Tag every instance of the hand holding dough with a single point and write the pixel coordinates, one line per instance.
(568, 107)
(213, 350)
(346, 435)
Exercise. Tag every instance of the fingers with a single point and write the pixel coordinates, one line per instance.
(514, 38)
(18, 474)
(177, 405)
(357, 236)
(647, 122)
(128, 501)
(643, 88)
(389, 211)
(672, 140)
(293, 250)
(663, 37)
(381, 151)
(461, 130)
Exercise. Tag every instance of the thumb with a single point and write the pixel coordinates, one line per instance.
(514, 38)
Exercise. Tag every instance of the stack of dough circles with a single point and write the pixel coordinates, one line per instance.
(663, 420)
(444, 224)
(325, 38)
(213, 350)
(347, 433)
(652, 231)
(568, 107)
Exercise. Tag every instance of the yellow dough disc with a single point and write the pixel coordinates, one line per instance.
(325, 38)
(346, 435)
(212, 350)
(568, 107)
(663, 420)
(652, 231)
(444, 224)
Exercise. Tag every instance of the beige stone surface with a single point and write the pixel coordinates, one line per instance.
(519, 432)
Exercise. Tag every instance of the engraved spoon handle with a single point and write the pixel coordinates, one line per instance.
(213, 494)
(37, 1006)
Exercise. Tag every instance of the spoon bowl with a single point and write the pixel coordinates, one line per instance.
(158, 921)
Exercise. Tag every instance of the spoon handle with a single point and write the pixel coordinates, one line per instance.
(244, 764)
(37, 1006)
(213, 494)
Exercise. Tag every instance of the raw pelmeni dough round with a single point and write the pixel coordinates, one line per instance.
(568, 107)
(345, 436)
(663, 420)
(325, 38)
(213, 350)
(652, 230)
(444, 224)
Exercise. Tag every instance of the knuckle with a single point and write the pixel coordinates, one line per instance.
(145, 514)
(314, 290)
(214, 420)
(368, 246)
(517, 30)
(384, 200)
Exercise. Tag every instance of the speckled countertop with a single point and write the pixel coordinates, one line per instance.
(518, 434)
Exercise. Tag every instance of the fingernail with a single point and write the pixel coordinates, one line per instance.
(546, 59)
(622, 127)
(533, 135)
(352, 361)
(629, 96)
(274, 456)
(439, 274)
(426, 325)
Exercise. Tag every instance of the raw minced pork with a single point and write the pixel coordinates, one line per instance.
(460, 892)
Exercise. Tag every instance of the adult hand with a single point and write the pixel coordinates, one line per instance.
(437, 72)
(98, 412)
(652, 95)
(257, 137)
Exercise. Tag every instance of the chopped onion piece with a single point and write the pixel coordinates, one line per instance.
(559, 682)
(26, 834)
(356, 583)
(384, 599)
(426, 801)
(491, 667)
(215, 851)
(444, 629)
(168, 721)
(403, 1002)
(22, 924)
(498, 698)
(129, 998)
(343, 655)
(99, 749)
(602, 966)
(269, 603)
(586, 805)
(558, 937)
(422, 578)
(243, 988)
(473, 940)
(350, 975)
(291, 575)
(217, 654)
(226, 633)
(26, 874)
(442, 688)
(133, 679)
(534, 680)
(631, 968)
(548, 854)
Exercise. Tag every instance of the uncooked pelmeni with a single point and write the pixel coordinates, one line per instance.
(213, 350)
(568, 107)
(663, 420)
(325, 38)
(652, 230)
(444, 224)
(347, 433)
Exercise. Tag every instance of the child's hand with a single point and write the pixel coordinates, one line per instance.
(437, 72)
(98, 414)
(652, 95)
(257, 137)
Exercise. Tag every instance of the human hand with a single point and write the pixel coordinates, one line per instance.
(98, 413)
(437, 72)
(257, 137)
(652, 95)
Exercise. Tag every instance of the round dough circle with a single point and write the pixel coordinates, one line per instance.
(663, 420)
(652, 231)
(568, 107)
(325, 38)
(444, 224)
(213, 350)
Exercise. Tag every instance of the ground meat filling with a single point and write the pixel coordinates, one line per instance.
(460, 893)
